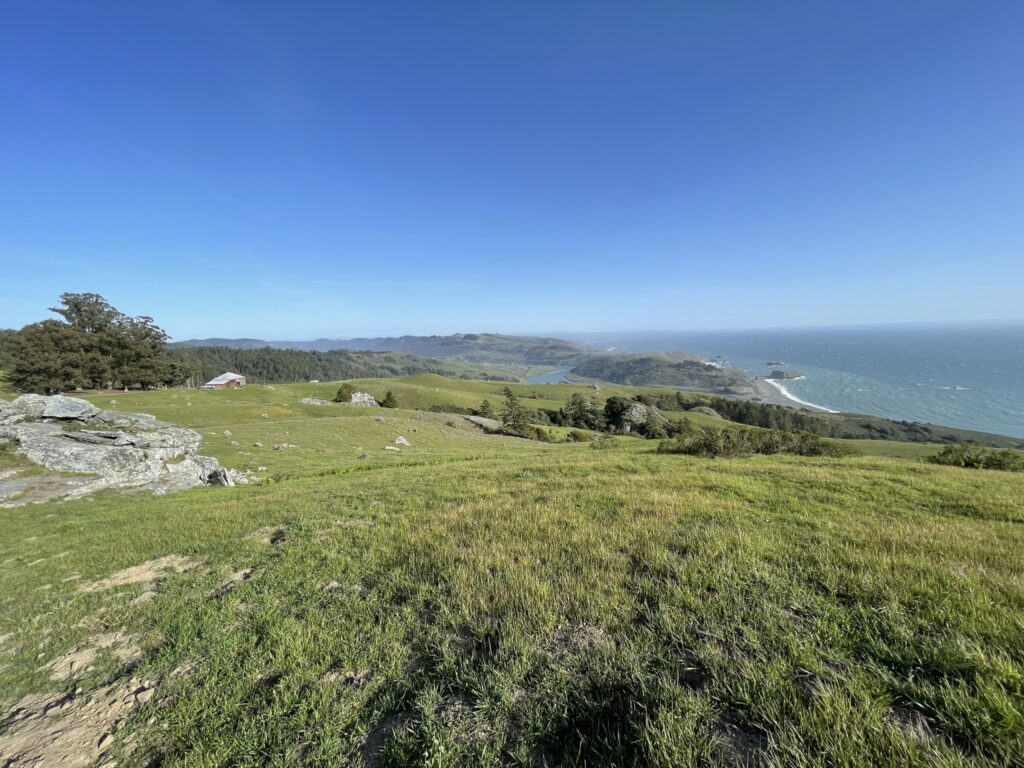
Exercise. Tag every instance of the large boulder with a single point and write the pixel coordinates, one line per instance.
(52, 407)
(61, 407)
(483, 421)
(638, 415)
(31, 406)
(220, 477)
(140, 453)
(121, 458)
(364, 399)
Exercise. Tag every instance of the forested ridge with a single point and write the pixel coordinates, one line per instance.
(271, 365)
(95, 346)
(660, 370)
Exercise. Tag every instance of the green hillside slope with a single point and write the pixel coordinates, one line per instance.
(484, 600)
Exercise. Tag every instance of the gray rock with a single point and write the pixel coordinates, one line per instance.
(483, 421)
(31, 406)
(638, 414)
(220, 477)
(284, 446)
(364, 399)
(139, 420)
(162, 458)
(313, 401)
(402, 441)
(60, 407)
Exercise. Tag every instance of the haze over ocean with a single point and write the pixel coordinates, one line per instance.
(963, 376)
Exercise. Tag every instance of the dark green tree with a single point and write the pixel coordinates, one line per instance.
(87, 312)
(513, 418)
(615, 408)
(6, 338)
(581, 412)
(486, 410)
(389, 401)
(345, 392)
(47, 357)
(96, 346)
(139, 352)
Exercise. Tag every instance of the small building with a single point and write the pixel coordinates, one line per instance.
(225, 381)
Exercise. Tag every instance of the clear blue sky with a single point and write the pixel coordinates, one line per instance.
(299, 169)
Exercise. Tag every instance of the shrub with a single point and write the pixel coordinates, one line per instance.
(604, 442)
(576, 436)
(745, 442)
(543, 435)
(973, 456)
(460, 409)
(345, 392)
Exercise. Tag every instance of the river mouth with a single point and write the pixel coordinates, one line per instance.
(557, 376)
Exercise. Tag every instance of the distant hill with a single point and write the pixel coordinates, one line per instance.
(270, 365)
(469, 347)
(232, 343)
(678, 369)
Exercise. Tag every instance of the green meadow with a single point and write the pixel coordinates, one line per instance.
(474, 599)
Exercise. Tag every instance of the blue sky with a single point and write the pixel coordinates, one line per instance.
(292, 170)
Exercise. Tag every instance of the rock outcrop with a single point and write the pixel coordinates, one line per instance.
(364, 399)
(639, 414)
(118, 450)
(313, 401)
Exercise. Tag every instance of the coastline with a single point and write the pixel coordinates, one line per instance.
(775, 393)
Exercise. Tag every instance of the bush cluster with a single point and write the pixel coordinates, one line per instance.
(973, 456)
(745, 442)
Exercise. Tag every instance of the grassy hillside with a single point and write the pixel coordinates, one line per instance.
(483, 600)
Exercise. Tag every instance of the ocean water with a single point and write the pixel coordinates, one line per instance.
(970, 377)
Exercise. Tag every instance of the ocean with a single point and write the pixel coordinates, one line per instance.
(970, 377)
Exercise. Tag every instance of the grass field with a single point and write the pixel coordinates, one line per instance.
(482, 600)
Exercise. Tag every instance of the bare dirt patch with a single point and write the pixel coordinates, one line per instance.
(379, 736)
(146, 573)
(910, 722)
(572, 639)
(76, 662)
(59, 729)
(738, 744)
(272, 535)
(355, 678)
(233, 581)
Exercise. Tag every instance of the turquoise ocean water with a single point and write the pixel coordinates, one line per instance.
(970, 377)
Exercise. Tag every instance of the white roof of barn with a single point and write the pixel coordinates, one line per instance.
(224, 378)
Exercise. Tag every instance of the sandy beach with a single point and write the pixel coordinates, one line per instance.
(772, 392)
